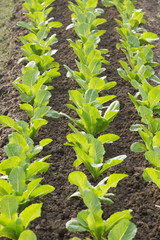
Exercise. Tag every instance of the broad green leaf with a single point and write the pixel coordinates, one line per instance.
(25, 129)
(115, 218)
(137, 85)
(45, 142)
(156, 139)
(106, 200)
(5, 221)
(5, 188)
(9, 206)
(146, 114)
(18, 139)
(91, 95)
(84, 158)
(94, 220)
(153, 157)
(28, 108)
(96, 150)
(112, 162)
(53, 114)
(154, 96)
(74, 226)
(105, 99)
(133, 41)
(112, 111)
(147, 138)
(76, 97)
(123, 74)
(107, 3)
(41, 34)
(31, 187)
(82, 218)
(91, 118)
(17, 179)
(36, 125)
(96, 83)
(95, 66)
(25, 98)
(149, 37)
(40, 112)
(7, 165)
(30, 77)
(37, 149)
(92, 3)
(151, 174)
(92, 202)
(42, 191)
(112, 182)
(27, 235)
(42, 98)
(114, 106)
(138, 16)
(108, 138)
(48, 2)
(9, 122)
(55, 24)
(25, 25)
(99, 21)
(78, 140)
(30, 213)
(36, 167)
(124, 230)
(84, 29)
(135, 127)
(95, 54)
(138, 147)
(79, 179)
(8, 232)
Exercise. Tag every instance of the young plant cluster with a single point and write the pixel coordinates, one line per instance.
(20, 181)
(94, 114)
(137, 44)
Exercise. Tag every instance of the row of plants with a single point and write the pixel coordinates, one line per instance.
(94, 113)
(20, 181)
(137, 44)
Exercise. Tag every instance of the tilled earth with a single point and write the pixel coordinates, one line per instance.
(131, 193)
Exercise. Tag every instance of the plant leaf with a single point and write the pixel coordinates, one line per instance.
(30, 213)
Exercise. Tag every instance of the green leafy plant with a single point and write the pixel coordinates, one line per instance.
(21, 169)
(90, 220)
(14, 225)
(90, 152)
(100, 190)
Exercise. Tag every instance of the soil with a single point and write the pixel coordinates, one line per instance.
(132, 192)
(6, 8)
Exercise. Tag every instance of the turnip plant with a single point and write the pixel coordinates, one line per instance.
(117, 226)
(100, 190)
(90, 151)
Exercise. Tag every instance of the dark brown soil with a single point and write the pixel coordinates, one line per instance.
(133, 192)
